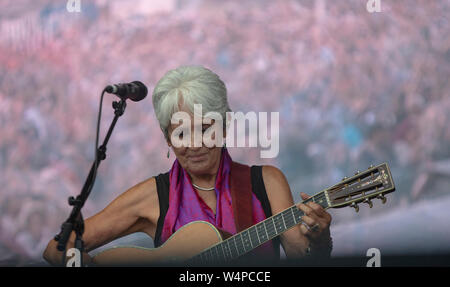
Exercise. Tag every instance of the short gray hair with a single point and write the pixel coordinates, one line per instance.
(196, 85)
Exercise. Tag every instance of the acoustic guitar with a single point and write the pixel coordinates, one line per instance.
(201, 243)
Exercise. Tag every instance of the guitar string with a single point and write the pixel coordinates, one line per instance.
(288, 223)
(272, 228)
(240, 251)
(268, 227)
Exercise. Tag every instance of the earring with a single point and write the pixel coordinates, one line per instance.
(168, 152)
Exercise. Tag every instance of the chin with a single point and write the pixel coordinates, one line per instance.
(204, 163)
(199, 166)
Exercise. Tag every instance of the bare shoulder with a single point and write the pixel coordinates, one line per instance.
(144, 188)
(273, 175)
(140, 191)
(277, 188)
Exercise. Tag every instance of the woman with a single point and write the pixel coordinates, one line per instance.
(196, 187)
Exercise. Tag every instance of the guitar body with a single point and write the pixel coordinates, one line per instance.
(186, 242)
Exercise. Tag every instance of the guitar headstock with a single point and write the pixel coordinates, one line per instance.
(372, 183)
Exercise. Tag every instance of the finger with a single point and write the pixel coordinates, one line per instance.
(305, 231)
(308, 220)
(316, 227)
(326, 217)
(320, 212)
(304, 196)
(317, 209)
(308, 211)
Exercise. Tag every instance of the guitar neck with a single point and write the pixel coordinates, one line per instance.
(258, 234)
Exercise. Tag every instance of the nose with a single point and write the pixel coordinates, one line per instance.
(196, 140)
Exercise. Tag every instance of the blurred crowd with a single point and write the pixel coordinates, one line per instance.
(353, 88)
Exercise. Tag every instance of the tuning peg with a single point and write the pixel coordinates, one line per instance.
(345, 178)
(355, 206)
(383, 199)
(356, 172)
(369, 202)
(371, 166)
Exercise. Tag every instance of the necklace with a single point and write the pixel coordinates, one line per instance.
(202, 188)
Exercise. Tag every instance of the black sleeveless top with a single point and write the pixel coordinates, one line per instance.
(258, 188)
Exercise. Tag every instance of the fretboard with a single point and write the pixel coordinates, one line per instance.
(258, 234)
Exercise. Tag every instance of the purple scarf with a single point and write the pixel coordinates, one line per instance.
(185, 205)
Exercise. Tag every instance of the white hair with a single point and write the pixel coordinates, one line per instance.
(193, 84)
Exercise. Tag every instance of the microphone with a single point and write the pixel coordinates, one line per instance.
(134, 91)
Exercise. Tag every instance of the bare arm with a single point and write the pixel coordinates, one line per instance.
(279, 193)
(135, 210)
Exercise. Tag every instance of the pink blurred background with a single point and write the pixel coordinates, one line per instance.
(353, 88)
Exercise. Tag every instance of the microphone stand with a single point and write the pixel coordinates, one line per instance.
(75, 221)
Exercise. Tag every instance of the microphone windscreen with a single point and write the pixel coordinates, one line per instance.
(141, 92)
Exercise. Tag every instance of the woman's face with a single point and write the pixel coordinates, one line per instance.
(195, 160)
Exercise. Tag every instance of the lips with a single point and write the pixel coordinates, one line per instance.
(199, 157)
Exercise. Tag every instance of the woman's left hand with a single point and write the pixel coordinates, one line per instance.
(316, 222)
